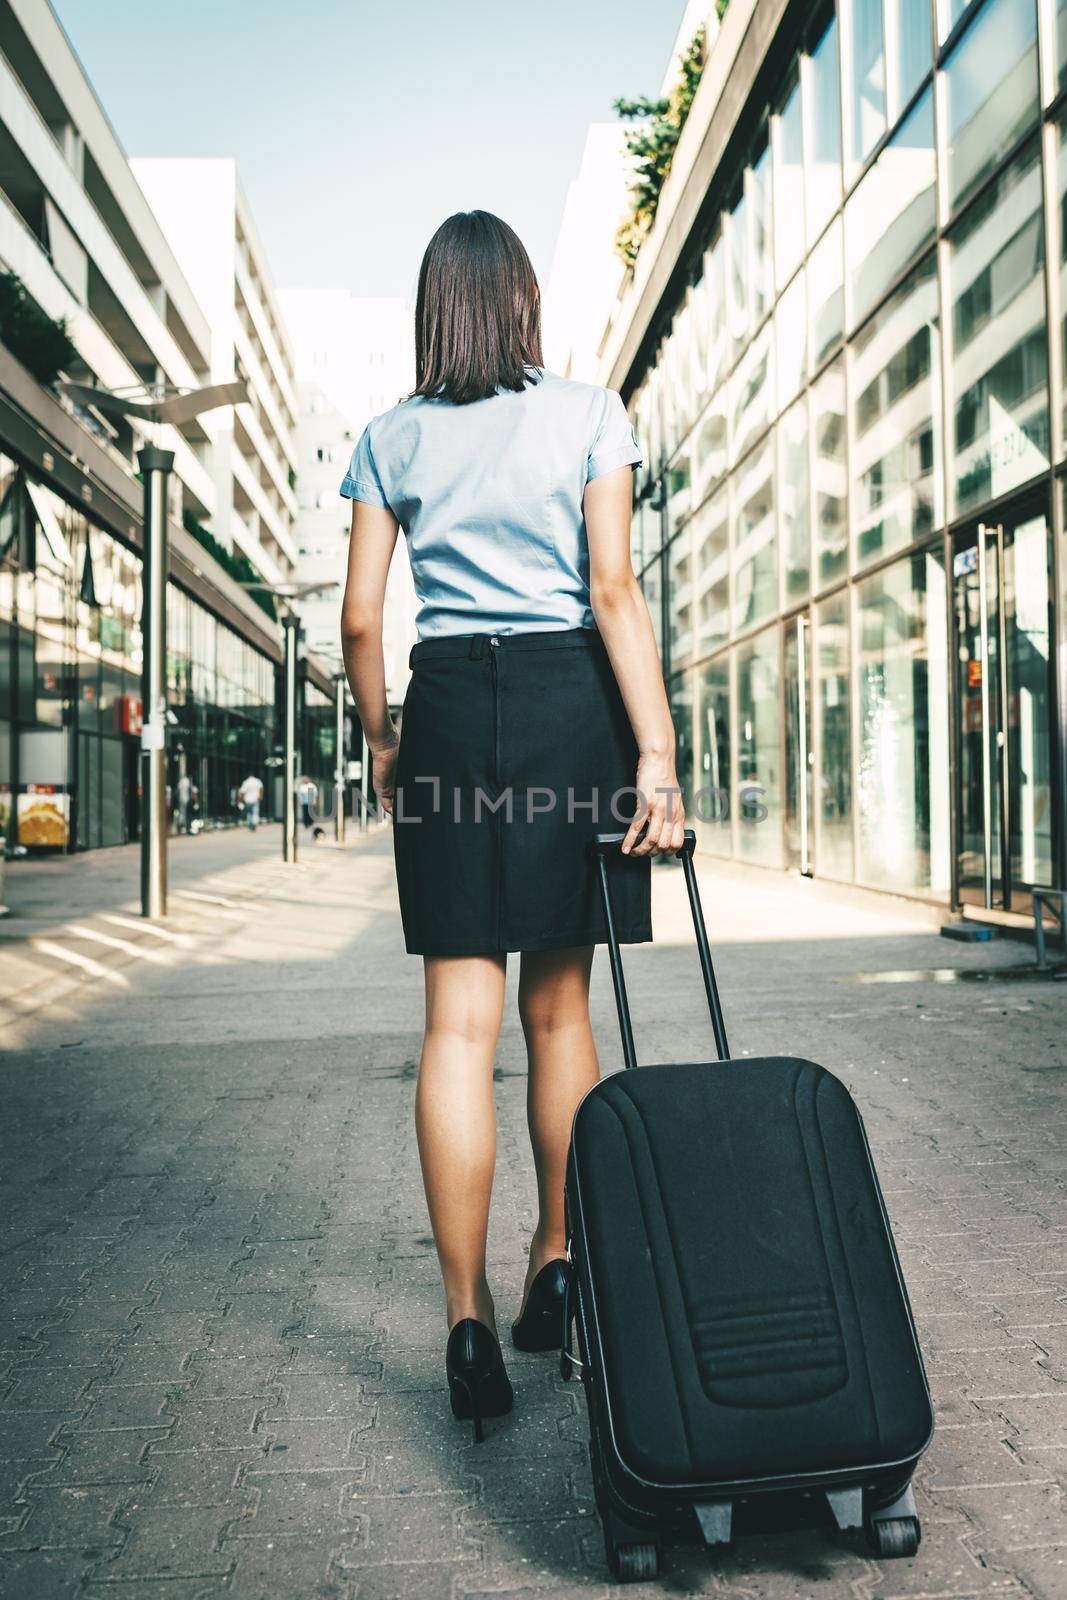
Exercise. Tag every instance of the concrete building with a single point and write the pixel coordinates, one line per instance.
(252, 457)
(80, 245)
(586, 274)
(80, 235)
(842, 345)
(355, 358)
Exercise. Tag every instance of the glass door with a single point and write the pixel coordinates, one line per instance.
(799, 755)
(1004, 812)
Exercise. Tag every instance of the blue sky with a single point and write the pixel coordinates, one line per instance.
(358, 127)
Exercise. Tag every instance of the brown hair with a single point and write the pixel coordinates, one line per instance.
(478, 311)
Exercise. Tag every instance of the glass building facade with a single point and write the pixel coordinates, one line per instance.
(852, 415)
(70, 687)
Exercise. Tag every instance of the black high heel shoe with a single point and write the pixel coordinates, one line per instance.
(540, 1323)
(478, 1383)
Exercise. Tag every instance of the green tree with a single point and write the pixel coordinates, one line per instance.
(652, 142)
(39, 341)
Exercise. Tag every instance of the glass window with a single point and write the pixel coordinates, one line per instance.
(680, 695)
(652, 589)
(711, 800)
(1061, 44)
(865, 60)
(755, 561)
(757, 799)
(991, 92)
(895, 405)
(822, 132)
(652, 528)
(826, 293)
(761, 266)
(892, 215)
(908, 50)
(788, 142)
(737, 275)
(750, 394)
(711, 560)
(680, 372)
(949, 13)
(829, 474)
(698, 343)
(670, 394)
(791, 339)
(999, 359)
(680, 598)
(903, 783)
(709, 447)
(639, 518)
(1061, 162)
(678, 488)
(715, 312)
(833, 734)
(794, 483)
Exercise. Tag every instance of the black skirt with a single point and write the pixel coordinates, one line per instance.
(514, 750)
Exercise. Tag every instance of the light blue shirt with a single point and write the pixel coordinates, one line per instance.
(489, 496)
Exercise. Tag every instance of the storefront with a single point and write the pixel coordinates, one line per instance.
(70, 664)
(853, 414)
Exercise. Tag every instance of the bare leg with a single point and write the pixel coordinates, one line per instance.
(554, 1007)
(456, 1123)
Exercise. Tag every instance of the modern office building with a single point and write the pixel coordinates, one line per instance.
(585, 269)
(253, 459)
(843, 349)
(79, 244)
(355, 357)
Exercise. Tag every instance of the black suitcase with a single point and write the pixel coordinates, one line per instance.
(744, 1334)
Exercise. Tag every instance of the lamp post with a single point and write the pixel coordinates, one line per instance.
(287, 593)
(159, 404)
(156, 466)
(291, 624)
(339, 762)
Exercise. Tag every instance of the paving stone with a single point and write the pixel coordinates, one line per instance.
(38, 1388)
(317, 1502)
(69, 1517)
(201, 1477)
(223, 1296)
(104, 1457)
(169, 1541)
(303, 1446)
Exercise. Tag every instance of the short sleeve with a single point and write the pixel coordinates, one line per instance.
(362, 481)
(614, 441)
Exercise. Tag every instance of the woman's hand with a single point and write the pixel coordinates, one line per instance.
(663, 814)
(383, 773)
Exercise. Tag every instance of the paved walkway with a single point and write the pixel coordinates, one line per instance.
(222, 1330)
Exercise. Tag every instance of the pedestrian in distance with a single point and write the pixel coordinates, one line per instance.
(307, 794)
(535, 713)
(185, 801)
(250, 795)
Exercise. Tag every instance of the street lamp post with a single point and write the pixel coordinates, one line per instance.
(291, 624)
(160, 404)
(156, 466)
(339, 763)
(287, 593)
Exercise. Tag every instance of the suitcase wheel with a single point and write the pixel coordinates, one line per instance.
(895, 1536)
(633, 1563)
(632, 1556)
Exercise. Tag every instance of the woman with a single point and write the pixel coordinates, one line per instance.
(536, 712)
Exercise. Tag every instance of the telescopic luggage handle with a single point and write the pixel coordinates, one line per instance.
(606, 844)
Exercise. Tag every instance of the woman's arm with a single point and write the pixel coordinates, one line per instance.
(626, 627)
(370, 551)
